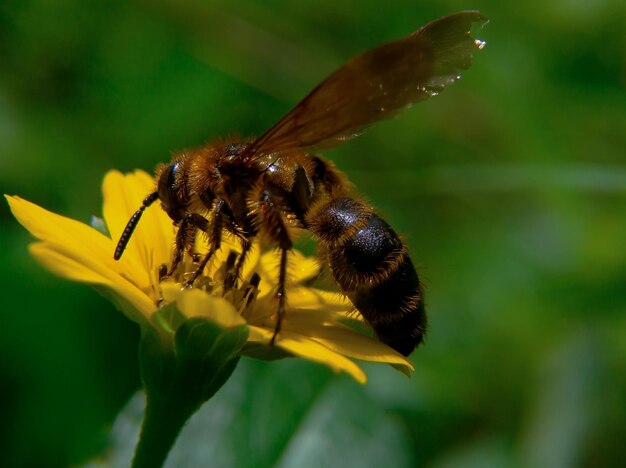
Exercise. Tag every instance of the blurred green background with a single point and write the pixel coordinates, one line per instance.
(510, 189)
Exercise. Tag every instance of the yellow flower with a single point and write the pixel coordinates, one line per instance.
(312, 328)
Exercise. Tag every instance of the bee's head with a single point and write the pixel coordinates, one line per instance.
(170, 191)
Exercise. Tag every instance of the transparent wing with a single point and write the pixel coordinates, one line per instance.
(376, 85)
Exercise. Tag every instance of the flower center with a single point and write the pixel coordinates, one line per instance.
(226, 281)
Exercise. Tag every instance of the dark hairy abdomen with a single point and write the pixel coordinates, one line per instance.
(370, 263)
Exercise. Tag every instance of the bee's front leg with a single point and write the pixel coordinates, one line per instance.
(184, 239)
(214, 230)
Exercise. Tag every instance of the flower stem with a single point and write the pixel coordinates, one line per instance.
(163, 421)
(180, 373)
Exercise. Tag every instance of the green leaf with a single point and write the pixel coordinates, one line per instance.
(285, 413)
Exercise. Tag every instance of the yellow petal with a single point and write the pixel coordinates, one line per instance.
(79, 249)
(196, 303)
(58, 230)
(150, 245)
(170, 292)
(118, 206)
(264, 310)
(63, 264)
(307, 348)
(81, 240)
(348, 342)
(299, 269)
(300, 297)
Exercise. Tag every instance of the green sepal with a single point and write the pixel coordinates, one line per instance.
(191, 363)
(206, 368)
(157, 362)
(183, 362)
(169, 318)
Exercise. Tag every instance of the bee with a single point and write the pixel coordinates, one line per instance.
(266, 187)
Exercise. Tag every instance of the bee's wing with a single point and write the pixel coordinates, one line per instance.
(376, 85)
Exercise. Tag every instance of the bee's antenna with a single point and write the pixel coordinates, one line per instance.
(132, 224)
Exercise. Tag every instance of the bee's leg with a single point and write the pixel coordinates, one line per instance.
(234, 270)
(184, 238)
(185, 231)
(215, 238)
(252, 289)
(230, 278)
(246, 245)
(191, 251)
(276, 229)
(280, 293)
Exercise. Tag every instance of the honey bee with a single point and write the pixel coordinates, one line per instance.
(270, 185)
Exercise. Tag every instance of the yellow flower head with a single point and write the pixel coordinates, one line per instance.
(312, 327)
